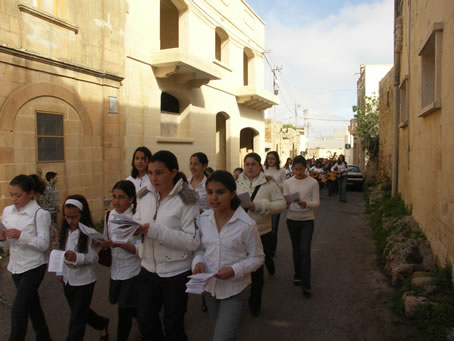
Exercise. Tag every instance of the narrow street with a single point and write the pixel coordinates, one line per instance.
(350, 295)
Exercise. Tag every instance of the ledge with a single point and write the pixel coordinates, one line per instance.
(184, 67)
(221, 64)
(403, 124)
(36, 12)
(59, 64)
(430, 108)
(254, 98)
(179, 140)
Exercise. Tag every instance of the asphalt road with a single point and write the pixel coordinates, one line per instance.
(350, 295)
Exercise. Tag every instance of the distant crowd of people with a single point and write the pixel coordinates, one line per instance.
(213, 222)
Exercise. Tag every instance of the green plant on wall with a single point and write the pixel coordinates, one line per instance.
(367, 124)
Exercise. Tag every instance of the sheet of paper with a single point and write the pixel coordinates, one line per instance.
(91, 232)
(293, 197)
(122, 235)
(56, 261)
(124, 220)
(245, 199)
(196, 284)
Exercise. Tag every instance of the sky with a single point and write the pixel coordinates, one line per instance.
(320, 46)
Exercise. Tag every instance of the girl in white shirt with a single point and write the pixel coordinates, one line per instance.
(27, 234)
(79, 275)
(341, 168)
(169, 214)
(198, 163)
(139, 172)
(272, 168)
(231, 249)
(300, 221)
(125, 260)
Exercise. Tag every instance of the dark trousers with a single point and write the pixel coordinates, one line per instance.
(156, 292)
(274, 232)
(301, 237)
(257, 277)
(79, 299)
(26, 303)
(125, 316)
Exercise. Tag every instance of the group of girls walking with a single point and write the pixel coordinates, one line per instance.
(187, 227)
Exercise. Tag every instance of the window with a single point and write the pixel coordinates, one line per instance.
(248, 55)
(169, 103)
(403, 93)
(430, 54)
(50, 137)
(221, 50)
(169, 16)
(55, 7)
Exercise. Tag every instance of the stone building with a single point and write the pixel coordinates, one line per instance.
(423, 107)
(367, 85)
(385, 105)
(328, 147)
(86, 82)
(285, 141)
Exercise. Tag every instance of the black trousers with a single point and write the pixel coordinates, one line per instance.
(79, 299)
(301, 236)
(156, 292)
(257, 277)
(27, 303)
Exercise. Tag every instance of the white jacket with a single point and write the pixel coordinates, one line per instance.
(269, 199)
(173, 236)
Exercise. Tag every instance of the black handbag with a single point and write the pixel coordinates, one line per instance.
(105, 254)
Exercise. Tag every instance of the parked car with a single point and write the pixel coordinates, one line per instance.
(355, 177)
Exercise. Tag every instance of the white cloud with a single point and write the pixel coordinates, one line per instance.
(322, 60)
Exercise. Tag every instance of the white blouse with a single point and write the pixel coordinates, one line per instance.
(29, 251)
(125, 265)
(82, 271)
(201, 192)
(237, 245)
(140, 183)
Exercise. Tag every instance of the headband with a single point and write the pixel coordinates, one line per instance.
(76, 203)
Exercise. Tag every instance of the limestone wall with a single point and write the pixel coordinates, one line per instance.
(426, 146)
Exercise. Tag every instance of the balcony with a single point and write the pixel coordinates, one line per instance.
(257, 99)
(184, 67)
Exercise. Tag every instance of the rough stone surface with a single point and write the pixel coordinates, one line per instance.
(412, 303)
(421, 282)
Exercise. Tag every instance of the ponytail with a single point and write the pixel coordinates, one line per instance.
(29, 183)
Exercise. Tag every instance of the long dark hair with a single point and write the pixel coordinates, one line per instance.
(85, 218)
(129, 189)
(146, 152)
(170, 161)
(228, 181)
(29, 183)
(276, 155)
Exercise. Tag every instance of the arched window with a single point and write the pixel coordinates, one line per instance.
(169, 103)
(169, 18)
(221, 49)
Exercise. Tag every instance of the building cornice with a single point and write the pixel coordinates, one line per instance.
(57, 63)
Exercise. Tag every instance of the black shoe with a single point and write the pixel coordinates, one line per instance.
(270, 267)
(255, 311)
(307, 292)
(105, 337)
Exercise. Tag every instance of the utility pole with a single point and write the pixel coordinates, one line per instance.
(296, 114)
(275, 70)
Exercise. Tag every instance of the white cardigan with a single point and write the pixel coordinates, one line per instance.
(173, 236)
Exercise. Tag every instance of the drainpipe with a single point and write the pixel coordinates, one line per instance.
(397, 52)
